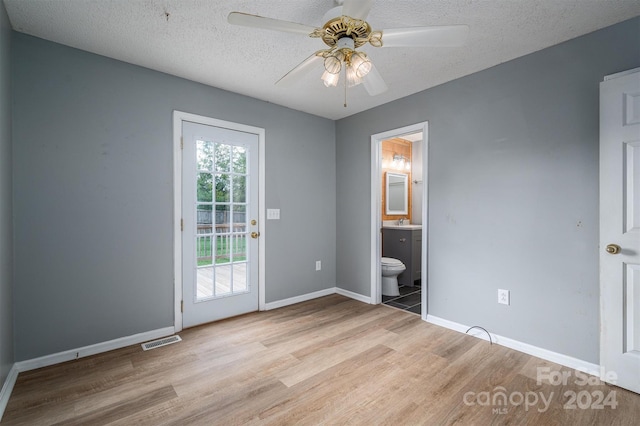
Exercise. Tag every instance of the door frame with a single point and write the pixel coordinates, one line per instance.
(376, 214)
(178, 118)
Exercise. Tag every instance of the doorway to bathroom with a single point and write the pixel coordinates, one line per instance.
(399, 215)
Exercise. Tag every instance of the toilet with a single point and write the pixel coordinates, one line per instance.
(391, 268)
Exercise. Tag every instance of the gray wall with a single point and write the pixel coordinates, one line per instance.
(6, 221)
(513, 191)
(92, 141)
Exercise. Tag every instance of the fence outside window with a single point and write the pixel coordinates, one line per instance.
(222, 242)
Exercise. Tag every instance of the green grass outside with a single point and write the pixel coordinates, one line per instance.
(223, 250)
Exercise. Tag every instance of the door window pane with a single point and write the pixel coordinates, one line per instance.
(239, 159)
(204, 155)
(204, 283)
(223, 280)
(239, 189)
(240, 278)
(222, 182)
(204, 189)
(223, 218)
(240, 216)
(222, 157)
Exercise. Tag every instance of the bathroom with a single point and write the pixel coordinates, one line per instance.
(401, 213)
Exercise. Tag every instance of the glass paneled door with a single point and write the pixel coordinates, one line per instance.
(220, 230)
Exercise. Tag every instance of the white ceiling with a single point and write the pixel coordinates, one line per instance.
(192, 39)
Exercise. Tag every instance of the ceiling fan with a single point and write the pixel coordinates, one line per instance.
(345, 29)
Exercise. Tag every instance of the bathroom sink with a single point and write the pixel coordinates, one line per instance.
(409, 226)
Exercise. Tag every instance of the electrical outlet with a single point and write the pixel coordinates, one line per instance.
(503, 296)
(318, 265)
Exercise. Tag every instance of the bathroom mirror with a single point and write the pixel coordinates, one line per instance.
(397, 193)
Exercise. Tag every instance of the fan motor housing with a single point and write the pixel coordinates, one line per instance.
(344, 26)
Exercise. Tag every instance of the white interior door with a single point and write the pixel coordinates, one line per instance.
(620, 229)
(220, 223)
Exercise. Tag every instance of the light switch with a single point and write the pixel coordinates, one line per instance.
(273, 213)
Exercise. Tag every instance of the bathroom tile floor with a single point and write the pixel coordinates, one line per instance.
(409, 300)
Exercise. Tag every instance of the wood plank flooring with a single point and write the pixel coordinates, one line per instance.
(328, 361)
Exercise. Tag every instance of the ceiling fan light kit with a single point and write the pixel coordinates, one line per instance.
(330, 79)
(357, 64)
(333, 63)
(344, 31)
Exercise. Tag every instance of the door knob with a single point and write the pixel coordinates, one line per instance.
(255, 234)
(613, 249)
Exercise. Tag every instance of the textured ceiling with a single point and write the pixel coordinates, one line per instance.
(192, 39)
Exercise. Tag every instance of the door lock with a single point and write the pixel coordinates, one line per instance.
(613, 249)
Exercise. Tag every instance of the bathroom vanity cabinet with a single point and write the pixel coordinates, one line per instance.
(405, 245)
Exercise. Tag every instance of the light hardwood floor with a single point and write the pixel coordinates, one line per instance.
(329, 361)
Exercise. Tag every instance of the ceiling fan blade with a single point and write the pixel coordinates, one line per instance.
(255, 21)
(357, 9)
(300, 70)
(373, 82)
(446, 36)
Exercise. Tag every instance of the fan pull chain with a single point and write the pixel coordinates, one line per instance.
(345, 88)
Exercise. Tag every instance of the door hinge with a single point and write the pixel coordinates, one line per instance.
(182, 306)
(181, 224)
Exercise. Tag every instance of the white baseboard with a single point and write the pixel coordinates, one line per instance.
(298, 299)
(7, 388)
(110, 345)
(567, 361)
(352, 295)
(315, 295)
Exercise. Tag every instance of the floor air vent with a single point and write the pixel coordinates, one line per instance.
(161, 342)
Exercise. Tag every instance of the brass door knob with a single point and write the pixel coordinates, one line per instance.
(255, 234)
(613, 249)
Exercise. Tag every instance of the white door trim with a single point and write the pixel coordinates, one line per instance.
(376, 215)
(178, 118)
